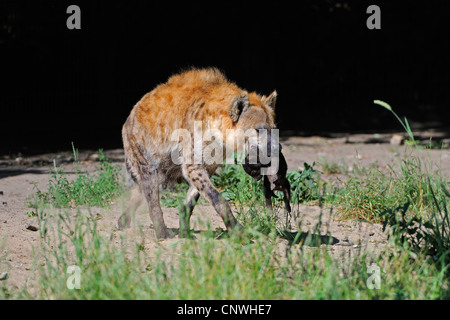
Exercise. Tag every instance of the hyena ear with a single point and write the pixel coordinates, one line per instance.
(238, 105)
(271, 100)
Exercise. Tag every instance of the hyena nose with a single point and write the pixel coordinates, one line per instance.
(269, 144)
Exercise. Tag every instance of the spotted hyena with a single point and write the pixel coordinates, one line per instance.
(195, 97)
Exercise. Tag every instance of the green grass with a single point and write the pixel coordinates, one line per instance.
(173, 198)
(305, 184)
(371, 192)
(86, 189)
(242, 190)
(330, 168)
(252, 266)
(247, 196)
(369, 195)
(427, 234)
(256, 265)
(237, 187)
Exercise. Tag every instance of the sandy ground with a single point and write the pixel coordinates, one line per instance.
(18, 174)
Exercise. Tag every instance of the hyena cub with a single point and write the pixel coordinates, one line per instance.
(271, 182)
(202, 96)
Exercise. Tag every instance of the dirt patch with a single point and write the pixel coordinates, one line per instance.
(17, 226)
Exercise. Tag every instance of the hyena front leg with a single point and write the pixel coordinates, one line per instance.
(287, 198)
(268, 193)
(185, 214)
(198, 177)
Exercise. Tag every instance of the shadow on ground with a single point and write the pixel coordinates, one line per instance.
(308, 239)
(304, 238)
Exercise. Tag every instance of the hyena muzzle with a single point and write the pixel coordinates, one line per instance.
(202, 96)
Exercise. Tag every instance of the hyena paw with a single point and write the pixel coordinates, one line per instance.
(123, 222)
(163, 233)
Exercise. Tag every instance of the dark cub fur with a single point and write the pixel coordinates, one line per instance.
(276, 182)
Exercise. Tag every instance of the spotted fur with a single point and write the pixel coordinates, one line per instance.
(195, 95)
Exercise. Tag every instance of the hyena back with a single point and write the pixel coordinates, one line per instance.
(203, 95)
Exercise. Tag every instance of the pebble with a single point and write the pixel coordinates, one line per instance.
(396, 140)
(4, 276)
(32, 228)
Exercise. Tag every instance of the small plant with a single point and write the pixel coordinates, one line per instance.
(236, 186)
(404, 124)
(305, 184)
(365, 198)
(85, 189)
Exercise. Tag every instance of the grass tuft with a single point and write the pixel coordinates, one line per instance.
(86, 189)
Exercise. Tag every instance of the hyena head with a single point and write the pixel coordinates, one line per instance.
(255, 116)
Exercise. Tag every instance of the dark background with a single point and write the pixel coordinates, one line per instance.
(63, 85)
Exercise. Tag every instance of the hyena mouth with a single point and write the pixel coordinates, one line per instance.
(264, 152)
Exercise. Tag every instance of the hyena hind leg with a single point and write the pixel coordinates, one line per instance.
(149, 183)
(134, 202)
